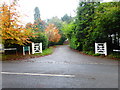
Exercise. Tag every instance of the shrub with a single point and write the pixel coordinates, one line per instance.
(97, 54)
(73, 41)
(62, 40)
(41, 38)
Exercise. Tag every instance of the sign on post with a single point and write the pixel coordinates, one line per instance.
(26, 48)
(101, 48)
(36, 48)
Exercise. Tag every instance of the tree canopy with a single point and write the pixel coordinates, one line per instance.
(94, 22)
(10, 29)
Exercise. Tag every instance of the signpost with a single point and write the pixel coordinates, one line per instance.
(36, 48)
(9, 49)
(101, 48)
(26, 48)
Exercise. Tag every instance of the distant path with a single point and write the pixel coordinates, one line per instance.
(65, 68)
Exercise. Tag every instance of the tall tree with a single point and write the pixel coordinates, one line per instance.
(56, 21)
(59, 24)
(83, 21)
(53, 33)
(39, 25)
(66, 18)
(37, 13)
(11, 31)
(107, 23)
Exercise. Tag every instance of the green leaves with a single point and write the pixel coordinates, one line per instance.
(94, 22)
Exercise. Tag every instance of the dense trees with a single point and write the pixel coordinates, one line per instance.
(94, 22)
(107, 23)
(59, 24)
(66, 18)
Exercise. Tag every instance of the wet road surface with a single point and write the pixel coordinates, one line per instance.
(65, 68)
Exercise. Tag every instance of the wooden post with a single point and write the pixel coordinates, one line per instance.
(29, 49)
(40, 47)
(95, 47)
(33, 48)
(23, 51)
(105, 45)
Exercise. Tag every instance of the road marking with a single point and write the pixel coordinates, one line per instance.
(37, 74)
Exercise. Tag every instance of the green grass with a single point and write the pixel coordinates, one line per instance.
(20, 56)
(45, 52)
(112, 55)
(88, 52)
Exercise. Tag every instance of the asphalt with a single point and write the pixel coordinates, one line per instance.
(51, 71)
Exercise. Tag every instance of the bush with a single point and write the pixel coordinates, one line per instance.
(114, 55)
(60, 42)
(89, 52)
(97, 54)
(73, 41)
(41, 38)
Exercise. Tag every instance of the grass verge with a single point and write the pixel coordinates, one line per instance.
(113, 55)
(45, 52)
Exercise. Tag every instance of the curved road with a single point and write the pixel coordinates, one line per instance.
(65, 68)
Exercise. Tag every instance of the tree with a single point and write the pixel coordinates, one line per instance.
(96, 22)
(39, 25)
(29, 25)
(37, 13)
(11, 31)
(66, 18)
(56, 21)
(59, 24)
(83, 24)
(52, 33)
(107, 23)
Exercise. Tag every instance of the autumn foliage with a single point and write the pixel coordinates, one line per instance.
(53, 33)
(10, 30)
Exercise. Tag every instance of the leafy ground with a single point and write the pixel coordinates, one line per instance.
(22, 57)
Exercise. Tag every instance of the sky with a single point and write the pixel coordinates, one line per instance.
(48, 8)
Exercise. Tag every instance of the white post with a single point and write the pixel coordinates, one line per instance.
(29, 49)
(105, 44)
(23, 51)
(40, 47)
(33, 48)
(96, 48)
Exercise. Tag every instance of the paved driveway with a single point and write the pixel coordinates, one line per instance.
(65, 68)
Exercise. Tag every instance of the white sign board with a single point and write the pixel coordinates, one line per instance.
(36, 48)
(101, 48)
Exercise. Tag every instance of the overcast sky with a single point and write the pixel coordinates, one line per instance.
(48, 8)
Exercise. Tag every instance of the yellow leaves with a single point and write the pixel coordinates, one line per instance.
(17, 38)
(9, 28)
